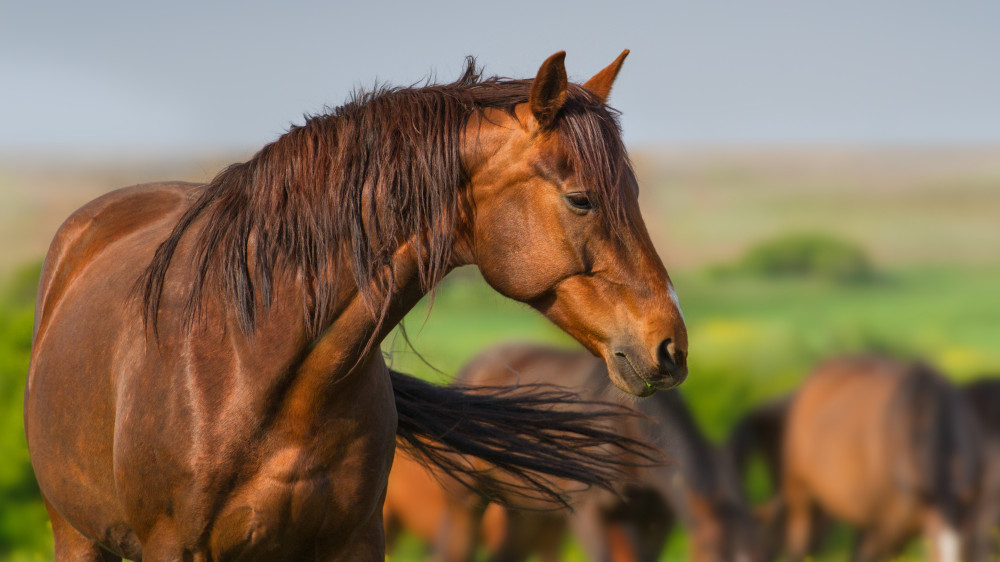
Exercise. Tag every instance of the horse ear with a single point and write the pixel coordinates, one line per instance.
(548, 91)
(600, 84)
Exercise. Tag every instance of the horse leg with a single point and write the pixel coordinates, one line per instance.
(982, 538)
(392, 528)
(587, 525)
(600, 539)
(874, 544)
(551, 542)
(458, 531)
(366, 545)
(944, 542)
(799, 521)
(71, 544)
(524, 533)
(652, 529)
(621, 541)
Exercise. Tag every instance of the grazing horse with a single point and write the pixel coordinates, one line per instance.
(760, 432)
(984, 397)
(885, 446)
(695, 487)
(206, 381)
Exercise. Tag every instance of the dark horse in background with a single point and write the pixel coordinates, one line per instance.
(984, 532)
(887, 446)
(759, 435)
(694, 487)
(206, 381)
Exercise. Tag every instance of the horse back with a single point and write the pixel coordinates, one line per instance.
(100, 223)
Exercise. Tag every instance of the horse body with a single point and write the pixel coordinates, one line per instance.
(883, 446)
(205, 379)
(203, 431)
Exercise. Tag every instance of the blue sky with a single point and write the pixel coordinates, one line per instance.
(190, 76)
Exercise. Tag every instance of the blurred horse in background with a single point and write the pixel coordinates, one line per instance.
(984, 397)
(415, 503)
(759, 435)
(695, 487)
(885, 446)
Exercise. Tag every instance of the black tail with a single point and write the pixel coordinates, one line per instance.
(529, 437)
(944, 455)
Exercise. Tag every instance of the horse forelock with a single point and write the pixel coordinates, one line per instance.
(342, 192)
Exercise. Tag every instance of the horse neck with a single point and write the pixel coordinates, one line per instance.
(356, 329)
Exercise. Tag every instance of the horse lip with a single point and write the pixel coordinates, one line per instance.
(666, 381)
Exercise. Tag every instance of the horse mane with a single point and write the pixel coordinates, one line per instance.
(341, 193)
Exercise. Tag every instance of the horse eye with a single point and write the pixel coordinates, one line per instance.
(579, 201)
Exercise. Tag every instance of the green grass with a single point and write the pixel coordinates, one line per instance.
(24, 530)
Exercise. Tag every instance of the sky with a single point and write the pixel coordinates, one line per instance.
(188, 76)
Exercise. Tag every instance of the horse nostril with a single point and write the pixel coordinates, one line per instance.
(669, 356)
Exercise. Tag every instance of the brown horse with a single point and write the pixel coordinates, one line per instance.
(416, 500)
(206, 381)
(886, 446)
(984, 397)
(695, 487)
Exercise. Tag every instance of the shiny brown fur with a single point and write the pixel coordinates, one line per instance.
(695, 488)
(887, 447)
(205, 379)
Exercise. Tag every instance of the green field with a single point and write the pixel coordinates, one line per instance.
(930, 229)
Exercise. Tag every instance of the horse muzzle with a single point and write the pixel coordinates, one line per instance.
(634, 370)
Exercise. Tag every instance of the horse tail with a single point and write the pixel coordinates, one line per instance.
(528, 437)
(945, 463)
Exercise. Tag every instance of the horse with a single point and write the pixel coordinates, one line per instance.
(695, 487)
(206, 381)
(760, 433)
(886, 446)
(983, 395)
(415, 503)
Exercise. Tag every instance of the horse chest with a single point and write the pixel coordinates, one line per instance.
(310, 492)
(300, 502)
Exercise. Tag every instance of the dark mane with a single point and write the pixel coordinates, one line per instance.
(338, 195)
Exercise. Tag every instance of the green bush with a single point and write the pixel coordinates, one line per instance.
(808, 255)
(23, 522)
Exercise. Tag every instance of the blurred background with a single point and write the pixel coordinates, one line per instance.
(819, 178)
